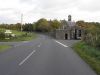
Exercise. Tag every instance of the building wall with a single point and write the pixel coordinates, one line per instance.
(68, 30)
(71, 34)
(60, 34)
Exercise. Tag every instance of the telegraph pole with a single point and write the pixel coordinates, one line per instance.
(21, 22)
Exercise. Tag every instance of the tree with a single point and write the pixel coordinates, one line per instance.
(28, 27)
(92, 33)
(55, 24)
(17, 26)
(42, 25)
(81, 24)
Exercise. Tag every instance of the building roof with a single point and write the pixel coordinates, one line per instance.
(70, 23)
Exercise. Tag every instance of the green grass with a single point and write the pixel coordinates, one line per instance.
(20, 36)
(18, 33)
(4, 48)
(90, 54)
(30, 36)
(2, 29)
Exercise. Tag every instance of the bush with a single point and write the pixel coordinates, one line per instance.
(2, 35)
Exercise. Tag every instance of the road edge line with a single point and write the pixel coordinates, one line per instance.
(60, 43)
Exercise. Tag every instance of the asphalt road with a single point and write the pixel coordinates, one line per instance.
(43, 56)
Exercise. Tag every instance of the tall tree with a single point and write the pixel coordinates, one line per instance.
(55, 24)
(42, 25)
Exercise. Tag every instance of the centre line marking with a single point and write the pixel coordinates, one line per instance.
(39, 45)
(60, 43)
(27, 57)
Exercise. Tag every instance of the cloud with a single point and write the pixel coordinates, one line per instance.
(35, 9)
(29, 2)
(6, 20)
(56, 4)
(89, 5)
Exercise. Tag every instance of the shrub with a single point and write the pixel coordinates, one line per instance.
(2, 35)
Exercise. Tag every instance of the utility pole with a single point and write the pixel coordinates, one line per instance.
(21, 22)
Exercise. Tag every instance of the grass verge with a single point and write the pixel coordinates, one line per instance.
(20, 36)
(4, 48)
(23, 37)
(90, 54)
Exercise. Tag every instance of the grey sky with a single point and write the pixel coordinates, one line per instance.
(10, 10)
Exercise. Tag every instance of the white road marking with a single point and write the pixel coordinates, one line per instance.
(27, 57)
(39, 45)
(60, 43)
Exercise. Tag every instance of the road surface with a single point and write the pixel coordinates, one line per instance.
(43, 56)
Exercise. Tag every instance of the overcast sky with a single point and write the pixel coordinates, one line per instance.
(87, 10)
